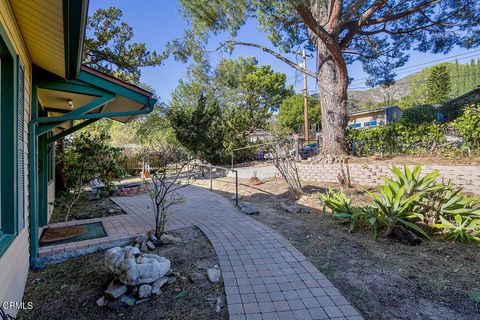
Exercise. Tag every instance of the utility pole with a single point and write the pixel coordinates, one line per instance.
(305, 92)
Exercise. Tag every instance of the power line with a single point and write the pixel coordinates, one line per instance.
(471, 54)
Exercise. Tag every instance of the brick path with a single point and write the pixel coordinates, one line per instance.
(265, 277)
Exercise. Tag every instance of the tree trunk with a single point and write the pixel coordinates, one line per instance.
(332, 82)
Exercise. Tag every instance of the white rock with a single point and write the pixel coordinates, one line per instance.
(143, 247)
(166, 238)
(145, 291)
(130, 272)
(158, 284)
(102, 302)
(115, 290)
(214, 275)
(150, 245)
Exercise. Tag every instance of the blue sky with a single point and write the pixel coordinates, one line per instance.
(155, 22)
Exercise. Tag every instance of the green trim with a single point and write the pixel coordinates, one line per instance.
(33, 183)
(110, 86)
(71, 130)
(72, 87)
(5, 242)
(74, 23)
(8, 132)
(53, 122)
(42, 181)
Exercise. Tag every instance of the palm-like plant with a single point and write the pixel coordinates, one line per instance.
(462, 228)
(411, 180)
(395, 208)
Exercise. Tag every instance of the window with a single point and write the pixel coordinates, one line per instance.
(12, 193)
(356, 125)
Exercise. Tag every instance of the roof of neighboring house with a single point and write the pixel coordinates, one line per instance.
(370, 111)
(465, 96)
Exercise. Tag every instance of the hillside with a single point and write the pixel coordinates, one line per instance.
(411, 89)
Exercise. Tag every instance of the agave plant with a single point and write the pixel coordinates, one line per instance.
(462, 229)
(395, 208)
(411, 180)
(342, 208)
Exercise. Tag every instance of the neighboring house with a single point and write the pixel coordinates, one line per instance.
(469, 97)
(373, 118)
(259, 135)
(46, 94)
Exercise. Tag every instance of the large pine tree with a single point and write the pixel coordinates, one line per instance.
(438, 85)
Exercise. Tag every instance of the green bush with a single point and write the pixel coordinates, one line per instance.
(415, 203)
(395, 138)
(423, 114)
(468, 126)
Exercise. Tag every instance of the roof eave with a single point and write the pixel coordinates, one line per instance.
(75, 15)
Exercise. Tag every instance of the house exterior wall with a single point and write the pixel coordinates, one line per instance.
(14, 262)
(367, 117)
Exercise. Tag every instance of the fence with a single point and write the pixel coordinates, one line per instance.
(197, 170)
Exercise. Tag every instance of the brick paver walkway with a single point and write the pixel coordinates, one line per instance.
(265, 277)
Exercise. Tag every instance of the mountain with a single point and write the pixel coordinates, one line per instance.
(410, 90)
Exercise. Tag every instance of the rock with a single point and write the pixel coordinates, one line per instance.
(196, 277)
(214, 275)
(111, 211)
(130, 272)
(115, 290)
(143, 247)
(153, 238)
(145, 291)
(219, 306)
(158, 284)
(102, 302)
(150, 245)
(234, 197)
(172, 280)
(167, 239)
(248, 209)
(134, 291)
(141, 239)
(128, 300)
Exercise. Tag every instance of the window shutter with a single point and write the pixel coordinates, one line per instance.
(21, 145)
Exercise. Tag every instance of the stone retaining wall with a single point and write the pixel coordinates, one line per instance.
(467, 177)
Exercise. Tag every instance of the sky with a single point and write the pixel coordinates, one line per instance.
(155, 22)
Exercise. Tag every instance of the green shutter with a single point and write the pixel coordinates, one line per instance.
(21, 146)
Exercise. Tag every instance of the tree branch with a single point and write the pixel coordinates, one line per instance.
(275, 54)
(312, 23)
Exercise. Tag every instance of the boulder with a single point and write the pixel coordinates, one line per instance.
(132, 270)
(158, 284)
(248, 209)
(167, 239)
(144, 291)
(115, 290)
(127, 299)
(214, 275)
(150, 245)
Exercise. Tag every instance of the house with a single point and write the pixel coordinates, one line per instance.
(46, 94)
(373, 118)
(259, 135)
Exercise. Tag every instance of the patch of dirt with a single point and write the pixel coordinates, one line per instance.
(384, 279)
(87, 209)
(69, 290)
(61, 233)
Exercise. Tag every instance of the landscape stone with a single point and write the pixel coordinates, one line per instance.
(115, 290)
(130, 272)
(158, 284)
(150, 245)
(102, 302)
(167, 238)
(197, 277)
(214, 275)
(127, 299)
(144, 291)
(141, 239)
(248, 209)
(143, 247)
